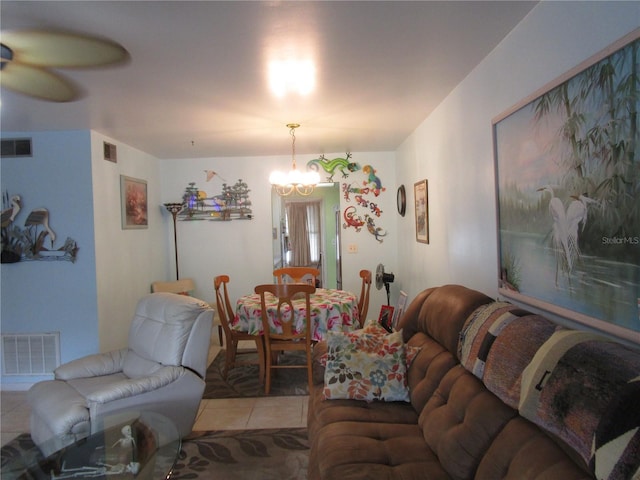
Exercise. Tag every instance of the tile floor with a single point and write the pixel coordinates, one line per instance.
(223, 414)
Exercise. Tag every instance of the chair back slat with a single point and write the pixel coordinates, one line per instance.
(233, 337)
(223, 303)
(307, 275)
(363, 301)
(285, 315)
(285, 293)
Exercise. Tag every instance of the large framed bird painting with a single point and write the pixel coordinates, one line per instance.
(568, 181)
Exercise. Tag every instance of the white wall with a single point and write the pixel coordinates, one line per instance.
(243, 248)
(127, 261)
(453, 148)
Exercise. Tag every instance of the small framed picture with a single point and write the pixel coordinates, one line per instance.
(386, 317)
(397, 313)
(421, 194)
(133, 202)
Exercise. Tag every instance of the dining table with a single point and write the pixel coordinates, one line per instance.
(331, 310)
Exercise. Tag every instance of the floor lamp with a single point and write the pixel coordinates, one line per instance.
(174, 209)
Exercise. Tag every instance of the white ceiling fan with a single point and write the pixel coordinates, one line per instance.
(29, 55)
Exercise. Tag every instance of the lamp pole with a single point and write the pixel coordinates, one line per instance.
(174, 209)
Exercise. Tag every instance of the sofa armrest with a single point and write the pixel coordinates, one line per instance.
(136, 386)
(92, 366)
(319, 350)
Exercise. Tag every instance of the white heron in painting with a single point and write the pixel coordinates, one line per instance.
(576, 215)
(563, 248)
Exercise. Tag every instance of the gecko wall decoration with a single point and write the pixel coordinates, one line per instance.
(363, 202)
(352, 219)
(373, 179)
(373, 230)
(330, 166)
(361, 189)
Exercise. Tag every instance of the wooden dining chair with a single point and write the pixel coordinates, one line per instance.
(307, 275)
(363, 301)
(288, 340)
(183, 286)
(232, 337)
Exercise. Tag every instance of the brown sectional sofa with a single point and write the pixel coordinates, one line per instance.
(496, 392)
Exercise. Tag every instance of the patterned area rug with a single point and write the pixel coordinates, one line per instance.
(243, 381)
(229, 455)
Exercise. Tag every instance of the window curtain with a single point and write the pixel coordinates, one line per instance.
(313, 227)
(303, 221)
(298, 238)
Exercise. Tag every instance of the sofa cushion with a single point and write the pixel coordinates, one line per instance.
(366, 366)
(441, 312)
(460, 420)
(522, 450)
(427, 369)
(381, 451)
(322, 412)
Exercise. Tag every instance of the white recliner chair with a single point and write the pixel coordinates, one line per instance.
(162, 370)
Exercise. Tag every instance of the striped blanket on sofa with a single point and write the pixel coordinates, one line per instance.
(580, 387)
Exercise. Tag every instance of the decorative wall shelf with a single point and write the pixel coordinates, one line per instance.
(232, 203)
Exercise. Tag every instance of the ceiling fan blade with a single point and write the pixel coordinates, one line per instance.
(61, 49)
(37, 82)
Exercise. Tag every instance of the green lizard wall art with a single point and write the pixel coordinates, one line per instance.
(330, 166)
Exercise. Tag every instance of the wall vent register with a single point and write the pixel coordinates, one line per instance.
(16, 147)
(30, 354)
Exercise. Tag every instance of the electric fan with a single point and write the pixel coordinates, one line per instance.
(384, 279)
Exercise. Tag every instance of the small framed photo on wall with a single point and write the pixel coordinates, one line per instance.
(421, 195)
(386, 317)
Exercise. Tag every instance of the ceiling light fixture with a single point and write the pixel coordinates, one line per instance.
(292, 77)
(294, 181)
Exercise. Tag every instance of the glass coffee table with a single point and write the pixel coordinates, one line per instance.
(127, 446)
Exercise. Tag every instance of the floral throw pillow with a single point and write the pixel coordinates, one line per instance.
(365, 365)
(375, 328)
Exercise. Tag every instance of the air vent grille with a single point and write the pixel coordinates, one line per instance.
(16, 147)
(110, 152)
(30, 354)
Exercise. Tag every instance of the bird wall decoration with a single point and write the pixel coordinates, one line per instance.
(29, 243)
(9, 214)
(40, 217)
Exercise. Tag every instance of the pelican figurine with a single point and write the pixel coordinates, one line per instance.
(40, 216)
(9, 214)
